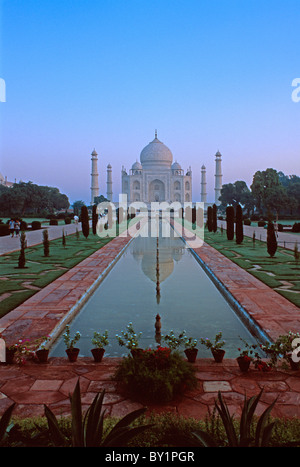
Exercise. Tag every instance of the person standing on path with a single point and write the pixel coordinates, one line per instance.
(11, 227)
(17, 227)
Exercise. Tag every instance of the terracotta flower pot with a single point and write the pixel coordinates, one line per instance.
(218, 355)
(9, 355)
(136, 352)
(42, 355)
(191, 354)
(243, 363)
(72, 354)
(98, 354)
(294, 365)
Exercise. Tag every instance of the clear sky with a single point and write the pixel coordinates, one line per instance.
(207, 74)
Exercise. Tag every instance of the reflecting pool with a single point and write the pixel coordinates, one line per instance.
(185, 298)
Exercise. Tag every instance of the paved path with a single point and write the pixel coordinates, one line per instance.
(284, 239)
(34, 384)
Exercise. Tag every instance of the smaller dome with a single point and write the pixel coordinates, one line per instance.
(137, 166)
(218, 154)
(203, 167)
(109, 166)
(94, 153)
(176, 166)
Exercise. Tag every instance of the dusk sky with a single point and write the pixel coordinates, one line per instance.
(207, 74)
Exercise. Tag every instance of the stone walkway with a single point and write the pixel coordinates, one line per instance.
(47, 312)
(34, 384)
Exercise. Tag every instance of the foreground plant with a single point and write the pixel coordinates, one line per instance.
(87, 430)
(173, 341)
(155, 375)
(4, 422)
(243, 438)
(129, 338)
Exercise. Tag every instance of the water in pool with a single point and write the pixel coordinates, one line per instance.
(188, 301)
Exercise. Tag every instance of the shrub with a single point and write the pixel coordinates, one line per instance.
(155, 375)
(296, 227)
(271, 240)
(4, 230)
(36, 225)
(230, 222)
(247, 222)
(46, 243)
(85, 221)
(239, 235)
(214, 218)
(209, 218)
(67, 220)
(53, 222)
(261, 223)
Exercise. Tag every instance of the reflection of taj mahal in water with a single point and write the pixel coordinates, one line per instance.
(156, 178)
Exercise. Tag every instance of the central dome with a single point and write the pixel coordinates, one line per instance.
(156, 153)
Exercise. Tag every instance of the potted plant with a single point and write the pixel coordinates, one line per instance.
(42, 352)
(286, 346)
(174, 342)
(71, 351)
(215, 346)
(99, 341)
(17, 352)
(130, 340)
(191, 350)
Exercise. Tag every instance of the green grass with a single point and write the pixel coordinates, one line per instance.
(167, 430)
(41, 270)
(274, 272)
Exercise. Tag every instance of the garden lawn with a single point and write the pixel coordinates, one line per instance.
(281, 273)
(17, 285)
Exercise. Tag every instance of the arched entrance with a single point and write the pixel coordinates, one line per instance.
(156, 191)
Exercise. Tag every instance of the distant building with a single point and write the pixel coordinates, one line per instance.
(156, 178)
(5, 182)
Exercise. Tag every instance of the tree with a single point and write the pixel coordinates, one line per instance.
(239, 234)
(230, 222)
(271, 239)
(94, 219)
(46, 243)
(209, 218)
(214, 218)
(22, 260)
(234, 193)
(268, 192)
(77, 205)
(85, 221)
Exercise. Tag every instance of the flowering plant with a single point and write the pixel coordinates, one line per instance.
(70, 343)
(214, 345)
(282, 347)
(129, 338)
(100, 340)
(250, 353)
(157, 358)
(173, 341)
(190, 343)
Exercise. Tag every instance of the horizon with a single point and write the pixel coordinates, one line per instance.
(208, 75)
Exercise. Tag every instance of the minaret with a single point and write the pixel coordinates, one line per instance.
(203, 184)
(94, 175)
(218, 180)
(109, 192)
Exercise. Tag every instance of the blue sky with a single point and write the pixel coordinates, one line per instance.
(207, 74)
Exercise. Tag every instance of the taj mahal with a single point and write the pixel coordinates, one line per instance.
(157, 178)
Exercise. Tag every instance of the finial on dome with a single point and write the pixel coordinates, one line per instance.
(156, 134)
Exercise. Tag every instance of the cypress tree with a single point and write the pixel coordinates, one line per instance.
(46, 242)
(209, 218)
(239, 234)
(214, 218)
(22, 260)
(271, 239)
(94, 219)
(230, 222)
(85, 221)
